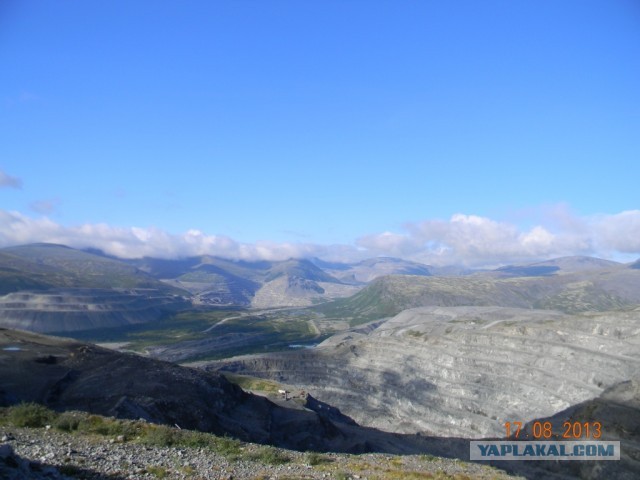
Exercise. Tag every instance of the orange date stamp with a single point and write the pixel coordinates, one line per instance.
(571, 430)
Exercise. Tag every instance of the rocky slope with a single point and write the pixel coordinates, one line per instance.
(461, 371)
(48, 454)
(69, 310)
(217, 281)
(367, 270)
(68, 375)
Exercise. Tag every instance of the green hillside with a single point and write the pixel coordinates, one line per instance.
(43, 266)
(600, 290)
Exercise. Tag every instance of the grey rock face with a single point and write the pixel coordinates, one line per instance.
(462, 371)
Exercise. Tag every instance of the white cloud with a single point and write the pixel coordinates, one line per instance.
(620, 232)
(390, 243)
(463, 239)
(479, 241)
(135, 242)
(9, 181)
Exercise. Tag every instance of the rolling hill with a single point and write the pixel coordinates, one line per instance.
(217, 281)
(367, 270)
(53, 288)
(610, 288)
(57, 266)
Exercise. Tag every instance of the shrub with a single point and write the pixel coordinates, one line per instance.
(228, 447)
(94, 424)
(161, 435)
(67, 422)
(158, 472)
(315, 458)
(30, 415)
(108, 426)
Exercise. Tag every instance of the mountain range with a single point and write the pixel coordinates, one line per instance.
(53, 288)
(419, 357)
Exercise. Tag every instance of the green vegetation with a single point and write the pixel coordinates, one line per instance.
(33, 415)
(252, 383)
(29, 415)
(68, 422)
(170, 329)
(315, 458)
(158, 472)
(269, 455)
(428, 458)
(84, 424)
(372, 303)
(236, 332)
(581, 297)
(48, 265)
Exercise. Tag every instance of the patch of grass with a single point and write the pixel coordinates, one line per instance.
(68, 422)
(228, 447)
(112, 427)
(158, 472)
(269, 456)
(37, 416)
(428, 458)
(358, 466)
(252, 383)
(188, 470)
(30, 415)
(161, 436)
(315, 458)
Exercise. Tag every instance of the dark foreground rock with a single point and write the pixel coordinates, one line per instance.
(65, 374)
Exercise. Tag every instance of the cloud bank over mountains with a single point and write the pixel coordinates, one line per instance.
(474, 240)
(463, 239)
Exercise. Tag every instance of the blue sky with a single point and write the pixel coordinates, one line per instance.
(382, 128)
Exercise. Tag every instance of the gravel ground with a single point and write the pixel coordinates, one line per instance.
(49, 454)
